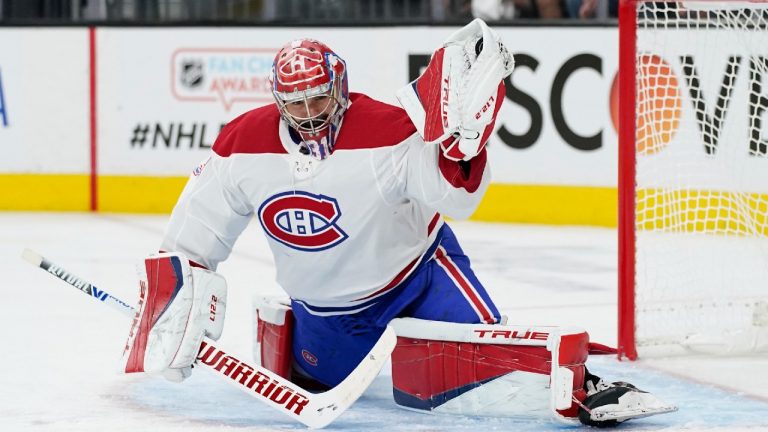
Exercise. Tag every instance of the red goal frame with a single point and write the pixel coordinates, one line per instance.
(626, 184)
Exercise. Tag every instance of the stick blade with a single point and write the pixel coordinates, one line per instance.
(32, 257)
(334, 402)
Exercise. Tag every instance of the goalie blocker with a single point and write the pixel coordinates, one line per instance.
(178, 306)
(480, 369)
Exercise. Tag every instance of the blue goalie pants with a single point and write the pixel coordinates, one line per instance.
(328, 344)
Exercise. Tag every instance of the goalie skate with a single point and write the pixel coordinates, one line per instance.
(608, 404)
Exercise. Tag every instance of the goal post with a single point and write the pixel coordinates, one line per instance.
(626, 233)
(693, 177)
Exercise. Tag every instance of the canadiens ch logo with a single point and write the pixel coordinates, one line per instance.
(303, 221)
(309, 357)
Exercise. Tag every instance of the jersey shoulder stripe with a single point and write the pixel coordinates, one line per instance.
(256, 131)
(372, 124)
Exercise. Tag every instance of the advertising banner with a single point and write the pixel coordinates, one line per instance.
(165, 93)
(44, 101)
(702, 105)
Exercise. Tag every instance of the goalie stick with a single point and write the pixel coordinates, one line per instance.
(315, 410)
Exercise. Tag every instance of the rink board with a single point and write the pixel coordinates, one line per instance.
(159, 96)
(162, 94)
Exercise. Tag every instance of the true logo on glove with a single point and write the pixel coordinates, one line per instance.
(446, 90)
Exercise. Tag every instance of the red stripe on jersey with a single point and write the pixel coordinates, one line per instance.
(393, 283)
(369, 123)
(465, 286)
(409, 268)
(256, 131)
(433, 223)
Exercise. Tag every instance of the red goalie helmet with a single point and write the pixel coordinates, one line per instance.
(309, 82)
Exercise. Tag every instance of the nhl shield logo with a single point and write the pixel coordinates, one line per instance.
(191, 73)
(302, 221)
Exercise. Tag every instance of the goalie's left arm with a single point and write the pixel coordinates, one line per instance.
(453, 188)
(454, 105)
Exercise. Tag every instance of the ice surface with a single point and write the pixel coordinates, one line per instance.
(58, 368)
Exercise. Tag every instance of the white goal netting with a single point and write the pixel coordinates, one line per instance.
(701, 281)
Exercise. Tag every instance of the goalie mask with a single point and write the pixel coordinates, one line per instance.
(309, 83)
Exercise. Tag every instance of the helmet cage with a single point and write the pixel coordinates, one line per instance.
(318, 132)
(312, 124)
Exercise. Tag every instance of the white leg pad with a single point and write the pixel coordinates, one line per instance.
(488, 369)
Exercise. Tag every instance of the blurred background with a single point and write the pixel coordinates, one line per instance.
(108, 105)
(300, 12)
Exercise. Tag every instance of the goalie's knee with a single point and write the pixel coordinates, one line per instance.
(496, 370)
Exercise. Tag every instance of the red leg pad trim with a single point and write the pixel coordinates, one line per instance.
(275, 345)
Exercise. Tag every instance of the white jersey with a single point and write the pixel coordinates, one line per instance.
(343, 230)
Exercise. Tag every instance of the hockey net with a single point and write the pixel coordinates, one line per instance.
(693, 177)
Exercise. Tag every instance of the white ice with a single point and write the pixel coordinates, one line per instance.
(58, 364)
